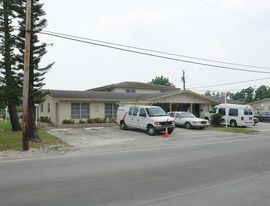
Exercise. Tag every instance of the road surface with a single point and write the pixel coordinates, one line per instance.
(228, 173)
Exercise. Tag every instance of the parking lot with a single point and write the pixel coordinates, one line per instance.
(113, 139)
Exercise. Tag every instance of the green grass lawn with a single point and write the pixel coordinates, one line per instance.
(13, 140)
(233, 129)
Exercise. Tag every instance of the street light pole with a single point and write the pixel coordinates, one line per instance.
(26, 76)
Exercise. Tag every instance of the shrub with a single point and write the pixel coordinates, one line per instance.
(112, 120)
(89, 121)
(97, 120)
(216, 120)
(70, 121)
(104, 120)
(45, 119)
(81, 121)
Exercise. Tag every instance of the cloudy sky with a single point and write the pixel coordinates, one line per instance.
(232, 31)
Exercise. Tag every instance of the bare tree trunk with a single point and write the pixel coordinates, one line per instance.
(14, 118)
(32, 129)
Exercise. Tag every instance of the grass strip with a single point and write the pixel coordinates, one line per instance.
(233, 129)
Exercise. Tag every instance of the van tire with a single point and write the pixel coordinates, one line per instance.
(151, 130)
(233, 123)
(123, 125)
(170, 131)
(188, 125)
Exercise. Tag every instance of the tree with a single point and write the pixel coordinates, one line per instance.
(37, 51)
(9, 80)
(160, 80)
(207, 93)
(245, 95)
(262, 92)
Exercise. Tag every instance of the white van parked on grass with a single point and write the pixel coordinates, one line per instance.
(151, 118)
(236, 114)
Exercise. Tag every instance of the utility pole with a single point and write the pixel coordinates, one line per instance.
(184, 80)
(26, 75)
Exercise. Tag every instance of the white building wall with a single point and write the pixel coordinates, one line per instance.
(49, 108)
(97, 110)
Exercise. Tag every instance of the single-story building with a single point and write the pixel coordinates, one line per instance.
(261, 105)
(103, 102)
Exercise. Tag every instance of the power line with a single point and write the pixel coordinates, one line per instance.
(226, 84)
(160, 52)
(234, 14)
(153, 55)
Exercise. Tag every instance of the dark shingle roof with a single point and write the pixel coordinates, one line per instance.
(137, 85)
(222, 100)
(90, 95)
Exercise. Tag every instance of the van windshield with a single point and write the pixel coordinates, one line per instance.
(155, 112)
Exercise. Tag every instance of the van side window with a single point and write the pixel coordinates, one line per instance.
(135, 111)
(221, 111)
(142, 113)
(233, 112)
(130, 110)
(214, 110)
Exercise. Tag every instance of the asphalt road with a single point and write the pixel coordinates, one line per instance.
(222, 173)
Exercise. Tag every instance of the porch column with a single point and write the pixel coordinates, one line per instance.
(191, 107)
(170, 107)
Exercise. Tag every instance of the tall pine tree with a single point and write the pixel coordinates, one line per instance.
(10, 83)
(37, 51)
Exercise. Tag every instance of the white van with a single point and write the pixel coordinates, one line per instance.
(236, 114)
(151, 118)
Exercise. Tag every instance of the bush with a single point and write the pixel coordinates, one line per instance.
(81, 121)
(97, 120)
(89, 121)
(70, 121)
(45, 119)
(112, 120)
(216, 120)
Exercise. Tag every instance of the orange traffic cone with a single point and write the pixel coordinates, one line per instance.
(166, 132)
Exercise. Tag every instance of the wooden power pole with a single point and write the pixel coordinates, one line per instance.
(26, 75)
(184, 80)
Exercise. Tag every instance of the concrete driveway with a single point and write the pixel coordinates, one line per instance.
(113, 139)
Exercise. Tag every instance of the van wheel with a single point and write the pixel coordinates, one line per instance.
(233, 123)
(188, 125)
(123, 125)
(170, 131)
(151, 130)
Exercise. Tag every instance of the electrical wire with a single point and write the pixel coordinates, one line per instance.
(226, 84)
(160, 52)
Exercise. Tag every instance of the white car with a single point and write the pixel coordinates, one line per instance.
(188, 120)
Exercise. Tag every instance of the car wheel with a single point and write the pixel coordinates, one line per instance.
(233, 123)
(151, 130)
(188, 125)
(123, 125)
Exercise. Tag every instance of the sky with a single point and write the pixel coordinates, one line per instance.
(232, 31)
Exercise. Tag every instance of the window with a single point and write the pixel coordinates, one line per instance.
(80, 111)
(177, 116)
(250, 112)
(135, 111)
(245, 112)
(41, 108)
(214, 110)
(142, 113)
(110, 110)
(233, 112)
(221, 111)
(130, 110)
(130, 91)
(49, 107)
(172, 115)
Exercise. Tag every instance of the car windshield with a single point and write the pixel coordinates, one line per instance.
(155, 112)
(188, 115)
